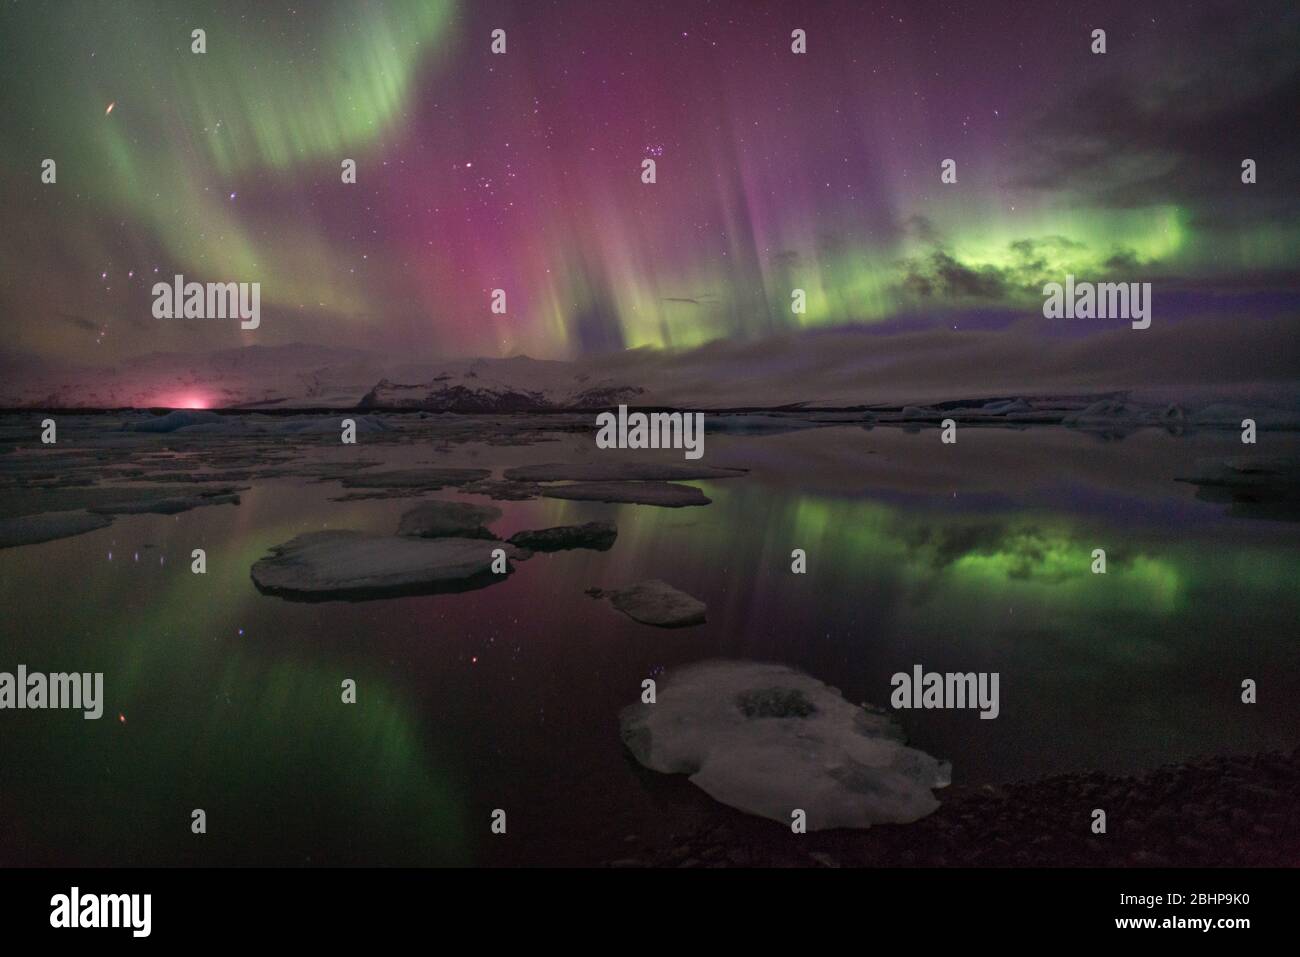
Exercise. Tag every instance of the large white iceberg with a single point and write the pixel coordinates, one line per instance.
(768, 740)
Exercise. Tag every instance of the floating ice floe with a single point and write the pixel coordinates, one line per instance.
(352, 565)
(207, 422)
(506, 491)
(664, 494)
(595, 535)
(32, 529)
(176, 420)
(1006, 407)
(616, 472)
(440, 519)
(1131, 415)
(1260, 486)
(169, 505)
(425, 478)
(916, 413)
(32, 515)
(655, 602)
(768, 740)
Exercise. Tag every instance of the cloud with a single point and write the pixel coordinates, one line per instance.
(940, 276)
(1172, 121)
(1022, 267)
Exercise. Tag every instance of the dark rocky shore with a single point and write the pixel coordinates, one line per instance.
(1220, 812)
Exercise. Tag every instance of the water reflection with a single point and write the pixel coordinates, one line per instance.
(508, 697)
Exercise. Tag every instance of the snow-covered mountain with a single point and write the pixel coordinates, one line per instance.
(503, 385)
(1194, 363)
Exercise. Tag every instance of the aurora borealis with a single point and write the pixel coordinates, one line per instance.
(521, 171)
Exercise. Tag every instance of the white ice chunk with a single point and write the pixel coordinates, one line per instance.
(767, 739)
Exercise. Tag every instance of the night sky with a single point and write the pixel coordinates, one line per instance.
(523, 171)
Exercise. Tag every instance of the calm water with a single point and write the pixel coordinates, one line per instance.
(973, 558)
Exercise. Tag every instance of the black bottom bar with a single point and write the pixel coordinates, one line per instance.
(332, 907)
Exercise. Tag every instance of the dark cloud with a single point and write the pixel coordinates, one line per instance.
(1171, 121)
(941, 276)
(1025, 265)
(1033, 253)
(1123, 259)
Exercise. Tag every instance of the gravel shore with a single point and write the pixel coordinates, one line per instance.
(1230, 811)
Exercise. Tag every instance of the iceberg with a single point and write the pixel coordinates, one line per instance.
(766, 739)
